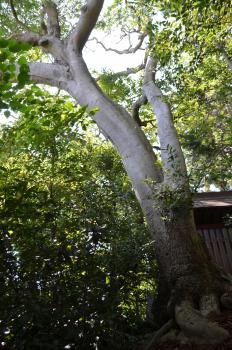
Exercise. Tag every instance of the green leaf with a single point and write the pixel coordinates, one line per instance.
(7, 114)
(93, 111)
(3, 55)
(22, 61)
(3, 43)
(23, 77)
(25, 46)
(3, 105)
(14, 46)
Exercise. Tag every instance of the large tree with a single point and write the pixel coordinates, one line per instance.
(190, 287)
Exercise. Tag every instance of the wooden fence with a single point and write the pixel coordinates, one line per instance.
(219, 244)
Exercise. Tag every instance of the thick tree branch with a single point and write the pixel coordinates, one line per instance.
(171, 153)
(50, 74)
(48, 43)
(150, 71)
(129, 50)
(53, 26)
(27, 37)
(89, 16)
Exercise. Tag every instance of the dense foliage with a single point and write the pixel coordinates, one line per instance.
(75, 255)
(10, 53)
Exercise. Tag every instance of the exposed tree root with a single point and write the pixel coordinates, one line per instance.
(226, 300)
(209, 304)
(190, 327)
(225, 276)
(196, 327)
(158, 334)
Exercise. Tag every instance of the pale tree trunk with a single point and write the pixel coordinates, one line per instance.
(188, 280)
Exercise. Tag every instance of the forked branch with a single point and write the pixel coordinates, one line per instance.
(127, 51)
(48, 43)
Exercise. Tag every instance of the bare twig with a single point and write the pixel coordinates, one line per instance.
(127, 51)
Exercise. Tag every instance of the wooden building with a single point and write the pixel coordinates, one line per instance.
(211, 210)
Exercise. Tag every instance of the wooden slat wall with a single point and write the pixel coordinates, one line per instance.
(219, 244)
